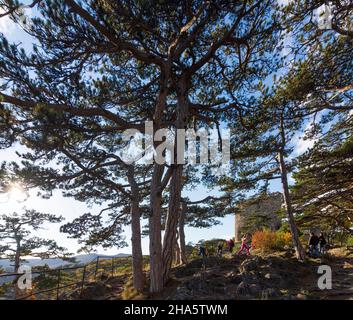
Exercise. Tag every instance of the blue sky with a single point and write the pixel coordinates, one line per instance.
(71, 209)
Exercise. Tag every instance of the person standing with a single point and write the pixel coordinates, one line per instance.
(313, 243)
(244, 245)
(322, 243)
(220, 248)
(231, 245)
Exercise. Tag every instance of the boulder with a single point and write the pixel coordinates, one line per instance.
(301, 296)
(273, 278)
(182, 293)
(243, 289)
(249, 265)
(233, 277)
(255, 290)
(269, 293)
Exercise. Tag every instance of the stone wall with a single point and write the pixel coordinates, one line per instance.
(258, 212)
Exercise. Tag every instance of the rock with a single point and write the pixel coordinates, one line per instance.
(249, 265)
(236, 279)
(273, 278)
(270, 293)
(301, 296)
(195, 285)
(243, 289)
(181, 294)
(233, 277)
(255, 289)
(92, 291)
(250, 277)
(219, 289)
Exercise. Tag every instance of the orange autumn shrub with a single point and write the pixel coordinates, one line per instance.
(267, 241)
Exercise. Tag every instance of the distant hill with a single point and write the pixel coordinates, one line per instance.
(55, 262)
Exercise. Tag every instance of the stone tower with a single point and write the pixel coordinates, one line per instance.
(263, 208)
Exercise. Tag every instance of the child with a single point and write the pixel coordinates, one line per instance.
(244, 245)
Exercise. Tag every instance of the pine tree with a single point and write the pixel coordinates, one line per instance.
(100, 67)
(17, 239)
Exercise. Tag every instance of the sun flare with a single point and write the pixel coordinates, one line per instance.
(17, 193)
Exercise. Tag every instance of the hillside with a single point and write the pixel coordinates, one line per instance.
(275, 276)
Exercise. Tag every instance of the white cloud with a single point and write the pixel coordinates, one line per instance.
(300, 144)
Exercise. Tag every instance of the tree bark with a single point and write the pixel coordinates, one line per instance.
(17, 262)
(155, 237)
(169, 240)
(156, 266)
(182, 233)
(17, 259)
(299, 250)
(176, 181)
(137, 258)
(177, 259)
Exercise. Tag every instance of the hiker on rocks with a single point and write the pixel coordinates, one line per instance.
(245, 246)
(322, 243)
(313, 243)
(220, 249)
(202, 251)
(231, 245)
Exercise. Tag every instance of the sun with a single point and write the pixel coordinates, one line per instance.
(17, 193)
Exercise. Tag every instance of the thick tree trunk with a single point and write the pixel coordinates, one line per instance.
(169, 240)
(137, 258)
(155, 246)
(156, 264)
(177, 259)
(176, 183)
(182, 233)
(299, 250)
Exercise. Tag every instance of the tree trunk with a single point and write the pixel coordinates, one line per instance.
(176, 181)
(182, 233)
(237, 227)
(17, 262)
(299, 250)
(155, 246)
(137, 258)
(169, 240)
(17, 259)
(177, 260)
(156, 266)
